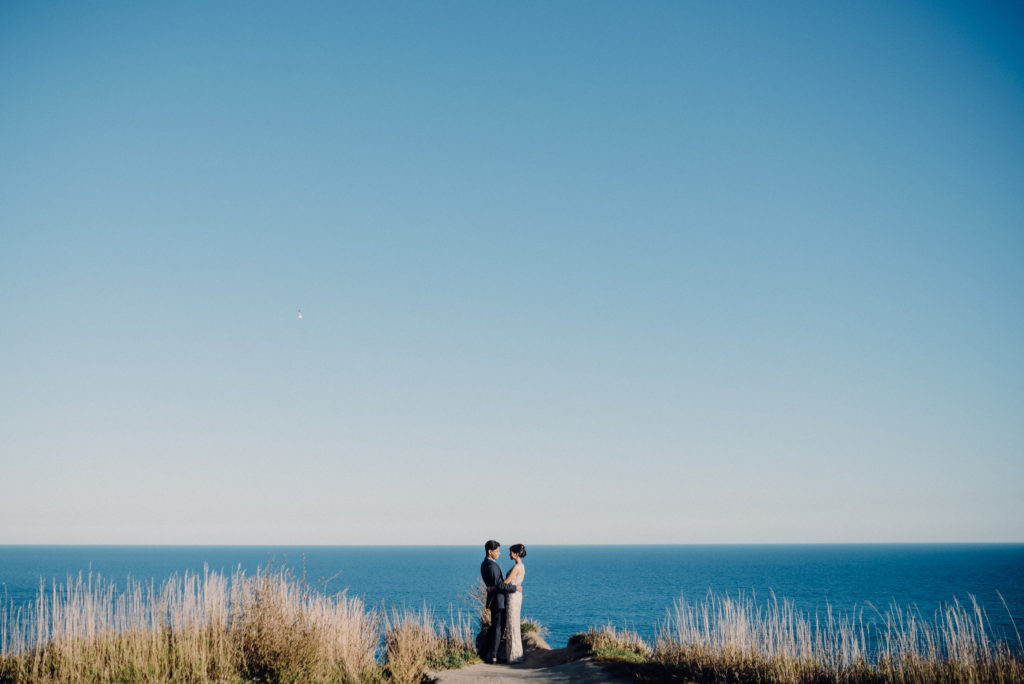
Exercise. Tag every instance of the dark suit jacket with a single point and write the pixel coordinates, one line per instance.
(494, 577)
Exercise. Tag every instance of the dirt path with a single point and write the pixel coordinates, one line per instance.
(541, 664)
(574, 672)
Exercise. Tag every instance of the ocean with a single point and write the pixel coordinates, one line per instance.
(571, 588)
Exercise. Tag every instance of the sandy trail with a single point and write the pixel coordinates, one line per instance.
(541, 664)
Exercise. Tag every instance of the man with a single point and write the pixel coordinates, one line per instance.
(494, 578)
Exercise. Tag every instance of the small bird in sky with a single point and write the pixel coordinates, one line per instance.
(300, 313)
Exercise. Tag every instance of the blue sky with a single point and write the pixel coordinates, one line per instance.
(570, 272)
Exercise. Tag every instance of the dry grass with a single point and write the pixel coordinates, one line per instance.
(269, 627)
(475, 596)
(415, 641)
(409, 640)
(611, 642)
(722, 639)
(457, 644)
(272, 627)
(531, 626)
(283, 631)
(778, 643)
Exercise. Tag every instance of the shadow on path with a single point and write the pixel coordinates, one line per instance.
(541, 663)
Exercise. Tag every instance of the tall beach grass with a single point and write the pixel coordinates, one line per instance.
(740, 639)
(274, 627)
(268, 627)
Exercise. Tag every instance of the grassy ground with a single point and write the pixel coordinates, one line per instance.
(271, 627)
(723, 640)
(274, 628)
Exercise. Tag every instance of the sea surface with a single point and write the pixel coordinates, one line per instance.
(571, 588)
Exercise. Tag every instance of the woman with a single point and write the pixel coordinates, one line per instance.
(513, 649)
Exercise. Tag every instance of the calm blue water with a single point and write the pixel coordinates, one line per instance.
(570, 588)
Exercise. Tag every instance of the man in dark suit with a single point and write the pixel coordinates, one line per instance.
(494, 578)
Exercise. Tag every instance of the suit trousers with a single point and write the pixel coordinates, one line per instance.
(495, 632)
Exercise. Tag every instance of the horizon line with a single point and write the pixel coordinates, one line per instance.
(548, 544)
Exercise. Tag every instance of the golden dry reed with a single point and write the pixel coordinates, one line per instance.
(413, 643)
(742, 639)
(267, 627)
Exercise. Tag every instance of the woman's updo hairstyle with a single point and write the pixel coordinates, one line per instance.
(518, 549)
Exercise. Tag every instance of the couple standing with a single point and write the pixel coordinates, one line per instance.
(505, 601)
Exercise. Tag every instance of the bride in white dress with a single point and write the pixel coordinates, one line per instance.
(513, 647)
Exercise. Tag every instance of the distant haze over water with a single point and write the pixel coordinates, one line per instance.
(570, 588)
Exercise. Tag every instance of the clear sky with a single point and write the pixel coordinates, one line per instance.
(570, 272)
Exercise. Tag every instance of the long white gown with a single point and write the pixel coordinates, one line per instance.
(513, 647)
